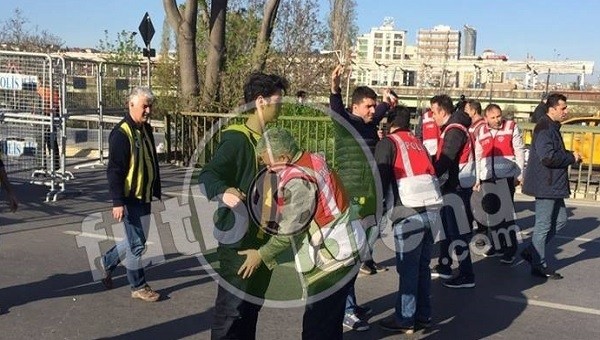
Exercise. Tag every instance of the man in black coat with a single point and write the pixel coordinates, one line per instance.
(547, 179)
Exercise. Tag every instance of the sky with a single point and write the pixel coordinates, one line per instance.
(547, 30)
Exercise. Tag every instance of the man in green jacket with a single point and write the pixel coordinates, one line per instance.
(228, 177)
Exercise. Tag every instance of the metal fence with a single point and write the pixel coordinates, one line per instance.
(42, 96)
(316, 134)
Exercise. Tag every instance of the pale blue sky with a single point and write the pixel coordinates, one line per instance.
(548, 30)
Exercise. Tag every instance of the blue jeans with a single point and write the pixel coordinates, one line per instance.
(137, 222)
(351, 298)
(550, 217)
(457, 236)
(413, 242)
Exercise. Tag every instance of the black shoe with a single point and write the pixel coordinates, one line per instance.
(545, 273)
(527, 256)
(460, 282)
(390, 324)
(440, 271)
(507, 259)
(363, 312)
(106, 275)
(492, 253)
(367, 270)
(371, 268)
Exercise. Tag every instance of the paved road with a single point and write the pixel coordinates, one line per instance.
(47, 289)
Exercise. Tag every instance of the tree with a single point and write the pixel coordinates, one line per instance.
(15, 32)
(298, 36)
(342, 25)
(183, 22)
(264, 37)
(216, 51)
(123, 49)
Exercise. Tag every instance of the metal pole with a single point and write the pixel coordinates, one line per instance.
(148, 70)
(547, 80)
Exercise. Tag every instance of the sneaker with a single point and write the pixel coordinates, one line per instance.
(390, 324)
(106, 275)
(440, 271)
(146, 294)
(366, 269)
(371, 268)
(527, 256)
(545, 273)
(492, 253)
(507, 259)
(362, 312)
(460, 282)
(352, 322)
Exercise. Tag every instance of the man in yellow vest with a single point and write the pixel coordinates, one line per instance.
(133, 179)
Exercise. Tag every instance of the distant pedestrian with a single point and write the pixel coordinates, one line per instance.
(133, 180)
(5, 186)
(547, 179)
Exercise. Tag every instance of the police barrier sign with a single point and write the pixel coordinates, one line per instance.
(14, 81)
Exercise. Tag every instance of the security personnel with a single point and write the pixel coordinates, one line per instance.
(409, 180)
(133, 179)
(430, 133)
(500, 159)
(7, 187)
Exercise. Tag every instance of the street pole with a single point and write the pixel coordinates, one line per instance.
(348, 87)
(149, 67)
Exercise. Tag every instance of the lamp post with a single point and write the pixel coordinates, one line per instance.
(490, 80)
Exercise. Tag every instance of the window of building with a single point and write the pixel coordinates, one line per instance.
(378, 35)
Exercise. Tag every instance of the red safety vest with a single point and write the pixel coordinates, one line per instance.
(498, 154)
(466, 161)
(331, 198)
(430, 133)
(475, 127)
(413, 171)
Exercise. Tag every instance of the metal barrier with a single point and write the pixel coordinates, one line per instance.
(32, 128)
(316, 134)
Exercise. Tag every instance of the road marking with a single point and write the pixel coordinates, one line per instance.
(581, 239)
(549, 305)
(98, 236)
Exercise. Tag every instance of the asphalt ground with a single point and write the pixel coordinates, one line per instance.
(47, 287)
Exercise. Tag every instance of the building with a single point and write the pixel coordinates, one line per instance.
(469, 46)
(384, 46)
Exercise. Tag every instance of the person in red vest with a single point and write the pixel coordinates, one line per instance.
(310, 209)
(500, 156)
(429, 132)
(411, 187)
(454, 168)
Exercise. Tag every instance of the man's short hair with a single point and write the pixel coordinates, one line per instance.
(141, 91)
(475, 105)
(399, 117)
(361, 93)
(491, 107)
(553, 100)
(278, 141)
(261, 84)
(443, 101)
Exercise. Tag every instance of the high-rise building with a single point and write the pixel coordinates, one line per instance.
(438, 44)
(469, 41)
(383, 44)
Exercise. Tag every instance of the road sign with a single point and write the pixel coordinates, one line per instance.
(146, 29)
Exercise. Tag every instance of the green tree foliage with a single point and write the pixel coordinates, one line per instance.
(122, 49)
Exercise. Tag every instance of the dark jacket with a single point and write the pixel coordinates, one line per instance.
(539, 112)
(446, 163)
(351, 162)
(119, 157)
(546, 173)
(233, 165)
